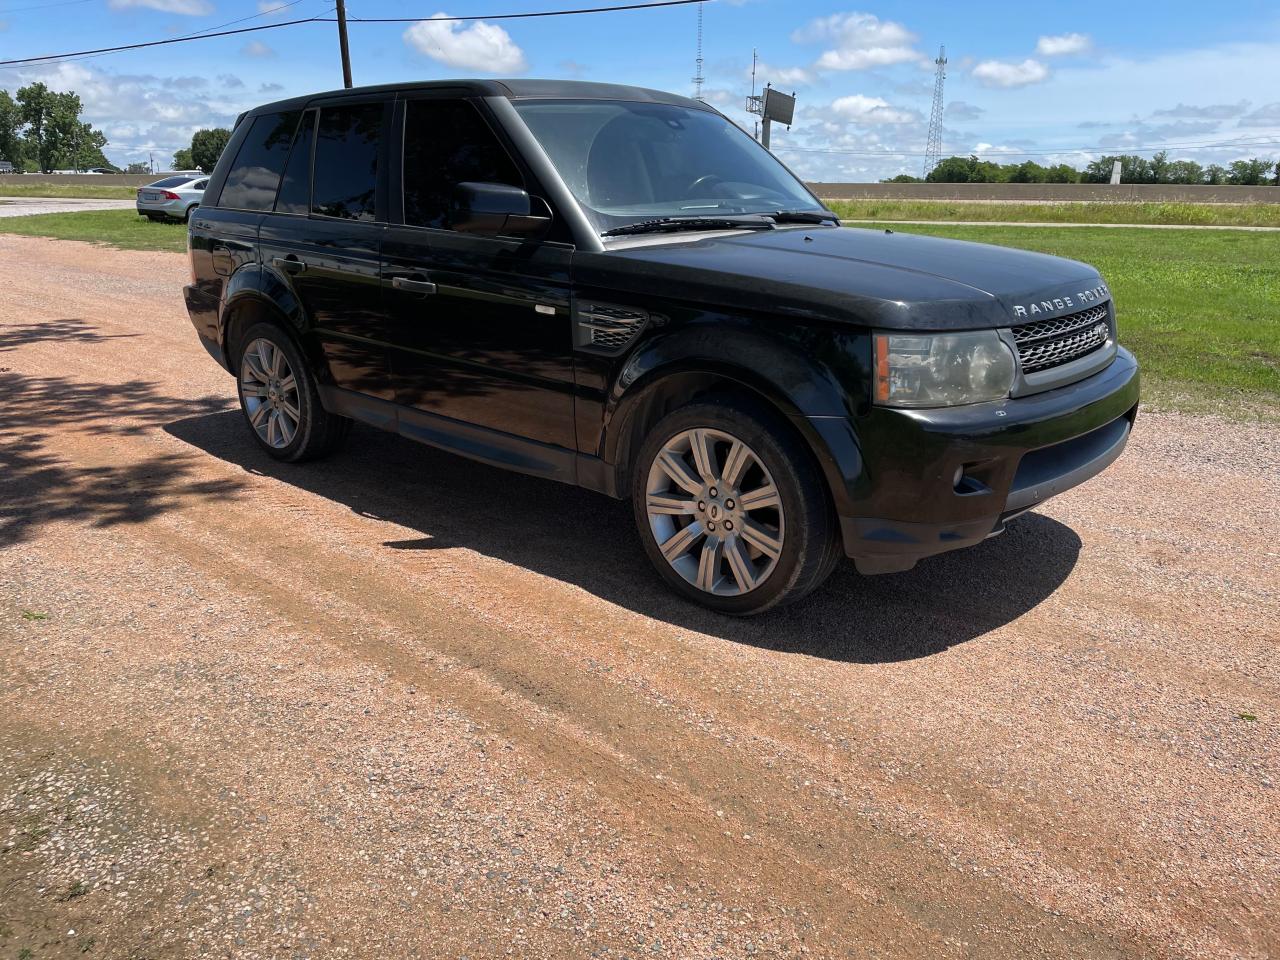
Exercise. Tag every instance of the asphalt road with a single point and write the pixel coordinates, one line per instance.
(397, 704)
(27, 206)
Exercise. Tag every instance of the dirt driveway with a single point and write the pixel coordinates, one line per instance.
(397, 704)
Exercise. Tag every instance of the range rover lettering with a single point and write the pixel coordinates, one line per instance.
(618, 288)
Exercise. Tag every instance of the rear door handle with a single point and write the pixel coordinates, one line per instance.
(289, 264)
(409, 285)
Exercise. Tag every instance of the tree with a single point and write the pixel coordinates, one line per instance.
(182, 159)
(1249, 173)
(138, 167)
(1062, 173)
(1215, 175)
(1185, 171)
(11, 146)
(207, 147)
(55, 134)
(903, 178)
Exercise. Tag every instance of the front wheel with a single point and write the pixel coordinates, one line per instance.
(732, 509)
(279, 398)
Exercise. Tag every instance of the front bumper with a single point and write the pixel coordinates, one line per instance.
(938, 480)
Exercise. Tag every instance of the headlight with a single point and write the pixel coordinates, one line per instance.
(942, 369)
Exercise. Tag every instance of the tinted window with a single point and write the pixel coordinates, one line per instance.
(200, 185)
(170, 182)
(346, 168)
(295, 187)
(447, 142)
(252, 182)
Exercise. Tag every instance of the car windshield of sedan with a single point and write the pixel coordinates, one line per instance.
(627, 161)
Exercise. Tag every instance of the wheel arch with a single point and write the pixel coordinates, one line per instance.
(667, 387)
(255, 295)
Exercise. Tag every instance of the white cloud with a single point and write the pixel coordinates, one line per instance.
(190, 8)
(863, 109)
(783, 76)
(1215, 111)
(1064, 45)
(861, 41)
(997, 73)
(480, 46)
(257, 49)
(272, 6)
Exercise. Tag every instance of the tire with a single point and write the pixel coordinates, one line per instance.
(274, 383)
(785, 542)
(187, 217)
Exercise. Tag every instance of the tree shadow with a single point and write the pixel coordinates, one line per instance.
(38, 487)
(14, 335)
(589, 540)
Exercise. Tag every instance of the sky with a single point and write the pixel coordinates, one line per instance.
(1050, 82)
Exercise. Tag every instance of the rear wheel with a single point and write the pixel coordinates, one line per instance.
(190, 210)
(731, 508)
(279, 398)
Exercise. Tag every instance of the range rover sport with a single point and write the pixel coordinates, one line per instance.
(618, 288)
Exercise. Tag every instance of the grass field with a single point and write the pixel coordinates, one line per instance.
(1198, 307)
(81, 190)
(1185, 214)
(116, 228)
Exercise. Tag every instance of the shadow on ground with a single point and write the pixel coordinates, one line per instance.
(589, 540)
(39, 485)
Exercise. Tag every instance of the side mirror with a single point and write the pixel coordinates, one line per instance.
(494, 209)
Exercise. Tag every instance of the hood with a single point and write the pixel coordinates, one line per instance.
(873, 277)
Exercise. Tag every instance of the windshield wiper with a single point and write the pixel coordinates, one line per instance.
(753, 221)
(803, 216)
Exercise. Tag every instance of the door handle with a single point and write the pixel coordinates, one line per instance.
(289, 264)
(409, 285)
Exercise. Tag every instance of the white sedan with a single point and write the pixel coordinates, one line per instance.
(173, 197)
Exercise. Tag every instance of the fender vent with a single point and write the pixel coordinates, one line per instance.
(608, 328)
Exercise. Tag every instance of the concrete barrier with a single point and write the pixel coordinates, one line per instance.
(80, 179)
(1046, 192)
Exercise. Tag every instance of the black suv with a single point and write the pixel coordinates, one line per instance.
(618, 288)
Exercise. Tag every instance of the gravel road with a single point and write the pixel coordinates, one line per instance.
(397, 704)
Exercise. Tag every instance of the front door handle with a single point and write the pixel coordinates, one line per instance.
(289, 264)
(409, 285)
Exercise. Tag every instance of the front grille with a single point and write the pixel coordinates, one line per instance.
(1051, 343)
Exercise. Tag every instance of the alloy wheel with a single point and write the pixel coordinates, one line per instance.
(715, 512)
(270, 392)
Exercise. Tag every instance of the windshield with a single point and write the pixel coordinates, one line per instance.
(628, 161)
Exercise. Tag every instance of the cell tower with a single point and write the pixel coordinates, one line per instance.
(697, 80)
(933, 147)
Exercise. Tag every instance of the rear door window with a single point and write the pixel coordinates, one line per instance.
(170, 182)
(295, 187)
(447, 142)
(348, 142)
(255, 175)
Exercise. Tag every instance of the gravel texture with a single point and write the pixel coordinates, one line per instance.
(396, 704)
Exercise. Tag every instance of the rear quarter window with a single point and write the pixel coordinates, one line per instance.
(255, 175)
(168, 182)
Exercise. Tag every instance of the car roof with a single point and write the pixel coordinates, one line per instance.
(521, 89)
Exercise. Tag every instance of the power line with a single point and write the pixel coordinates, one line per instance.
(43, 6)
(523, 16)
(212, 33)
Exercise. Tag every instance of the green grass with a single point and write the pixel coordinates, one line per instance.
(1198, 307)
(1185, 214)
(115, 228)
(89, 191)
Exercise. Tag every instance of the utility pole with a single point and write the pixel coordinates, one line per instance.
(342, 42)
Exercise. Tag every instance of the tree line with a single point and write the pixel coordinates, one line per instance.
(1133, 169)
(41, 130)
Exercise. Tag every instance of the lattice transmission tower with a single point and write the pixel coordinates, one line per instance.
(698, 79)
(933, 146)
